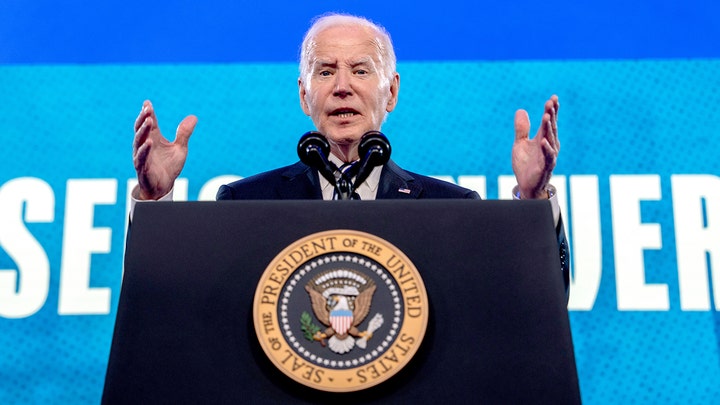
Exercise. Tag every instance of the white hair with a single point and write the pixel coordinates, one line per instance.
(382, 41)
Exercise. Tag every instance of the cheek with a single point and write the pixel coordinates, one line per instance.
(381, 106)
(312, 102)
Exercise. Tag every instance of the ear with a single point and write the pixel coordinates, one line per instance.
(394, 90)
(303, 94)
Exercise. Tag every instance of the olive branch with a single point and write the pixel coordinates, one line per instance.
(308, 327)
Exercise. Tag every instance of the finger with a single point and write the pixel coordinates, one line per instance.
(550, 155)
(550, 109)
(522, 125)
(556, 101)
(551, 130)
(544, 132)
(140, 158)
(142, 133)
(146, 110)
(185, 129)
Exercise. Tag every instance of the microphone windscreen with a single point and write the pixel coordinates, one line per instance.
(308, 147)
(378, 143)
(313, 149)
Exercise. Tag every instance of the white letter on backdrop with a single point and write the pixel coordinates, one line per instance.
(81, 239)
(631, 238)
(24, 291)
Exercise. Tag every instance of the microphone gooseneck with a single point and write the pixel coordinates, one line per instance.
(374, 150)
(313, 150)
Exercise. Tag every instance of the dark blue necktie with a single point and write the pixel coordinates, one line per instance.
(344, 182)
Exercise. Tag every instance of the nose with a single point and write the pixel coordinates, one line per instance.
(342, 84)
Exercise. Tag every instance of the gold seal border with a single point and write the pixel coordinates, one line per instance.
(386, 364)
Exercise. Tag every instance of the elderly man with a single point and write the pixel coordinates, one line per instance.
(347, 85)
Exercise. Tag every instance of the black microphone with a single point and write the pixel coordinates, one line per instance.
(374, 150)
(313, 150)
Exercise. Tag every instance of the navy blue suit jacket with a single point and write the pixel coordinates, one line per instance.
(300, 182)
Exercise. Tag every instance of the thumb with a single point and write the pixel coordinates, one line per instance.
(185, 129)
(522, 125)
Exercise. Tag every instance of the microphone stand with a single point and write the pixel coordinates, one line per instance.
(313, 150)
(374, 150)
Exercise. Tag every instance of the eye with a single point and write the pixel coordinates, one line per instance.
(361, 72)
(324, 73)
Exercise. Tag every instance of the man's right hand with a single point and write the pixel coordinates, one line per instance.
(158, 162)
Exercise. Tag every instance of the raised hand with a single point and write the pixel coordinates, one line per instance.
(533, 160)
(157, 161)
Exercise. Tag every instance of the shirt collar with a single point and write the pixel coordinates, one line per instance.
(367, 190)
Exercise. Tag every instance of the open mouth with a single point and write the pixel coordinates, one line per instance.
(344, 113)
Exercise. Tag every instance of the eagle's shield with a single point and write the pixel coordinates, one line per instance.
(341, 320)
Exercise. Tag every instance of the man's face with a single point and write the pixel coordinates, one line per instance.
(347, 94)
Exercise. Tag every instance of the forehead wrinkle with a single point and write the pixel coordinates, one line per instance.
(371, 40)
(352, 63)
(365, 60)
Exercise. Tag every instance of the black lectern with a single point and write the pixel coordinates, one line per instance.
(498, 329)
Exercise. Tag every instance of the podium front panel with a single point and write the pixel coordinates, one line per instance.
(498, 329)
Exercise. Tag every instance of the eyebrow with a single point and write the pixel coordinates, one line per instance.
(362, 61)
(358, 62)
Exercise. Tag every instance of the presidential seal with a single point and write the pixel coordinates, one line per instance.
(340, 311)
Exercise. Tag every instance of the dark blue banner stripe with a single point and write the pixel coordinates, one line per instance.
(223, 31)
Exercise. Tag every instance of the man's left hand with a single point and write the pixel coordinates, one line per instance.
(533, 160)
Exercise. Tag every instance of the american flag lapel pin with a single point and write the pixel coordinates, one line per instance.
(404, 190)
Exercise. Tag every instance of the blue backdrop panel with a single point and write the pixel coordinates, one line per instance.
(219, 31)
(65, 123)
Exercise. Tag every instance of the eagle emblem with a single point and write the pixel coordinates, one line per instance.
(341, 300)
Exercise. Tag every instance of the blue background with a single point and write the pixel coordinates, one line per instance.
(639, 90)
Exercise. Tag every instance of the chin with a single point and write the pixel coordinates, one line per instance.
(345, 137)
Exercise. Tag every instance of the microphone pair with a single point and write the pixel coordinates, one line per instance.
(314, 149)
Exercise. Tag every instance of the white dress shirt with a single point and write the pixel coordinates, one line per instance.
(367, 190)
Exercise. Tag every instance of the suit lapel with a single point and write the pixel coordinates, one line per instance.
(396, 183)
(299, 182)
